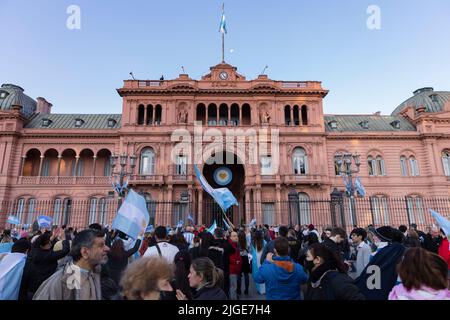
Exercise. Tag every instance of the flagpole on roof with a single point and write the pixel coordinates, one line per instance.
(223, 30)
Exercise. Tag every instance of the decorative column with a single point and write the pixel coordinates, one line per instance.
(59, 165)
(145, 115)
(278, 204)
(22, 164)
(248, 210)
(229, 116)
(291, 114)
(258, 207)
(40, 165)
(76, 165)
(200, 206)
(93, 167)
(240, 115)
(168, 216)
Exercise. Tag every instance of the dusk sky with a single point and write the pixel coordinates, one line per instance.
(365, 70)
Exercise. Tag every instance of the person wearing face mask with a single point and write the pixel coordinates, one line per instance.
(206, 279)
(147, 278)
(328, 279)
(382, 265)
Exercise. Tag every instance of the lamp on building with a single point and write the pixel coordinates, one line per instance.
(349, 170)
(118, 177)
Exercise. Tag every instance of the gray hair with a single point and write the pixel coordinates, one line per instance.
(84, 239)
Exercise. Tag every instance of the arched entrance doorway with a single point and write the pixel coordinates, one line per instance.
(228, 173)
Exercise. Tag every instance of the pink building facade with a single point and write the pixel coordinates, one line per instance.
(64, 158)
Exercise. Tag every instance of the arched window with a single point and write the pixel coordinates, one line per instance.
(376, 166)
(341, 167)
(45, 167)
(149, 114)
(92, 211)
(141, 115)
(414, 166)
(380, 210)
(223, 114)
(31, 211)
(234, 114)
(103, 212)
(415, 209)
(246, 114)
(304, 208)
(80, 167)
(158, 114)
(181, 165)
(201, 113)
(403, 166)
(266, 165)
(212, 114)
(151, 207)
(299, 161)
(287, 115)
(147, 162)
(20, 208)
(446, 162)
(296, 115)
(61, 211)
(304, 114)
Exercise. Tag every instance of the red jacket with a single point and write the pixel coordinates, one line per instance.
(444, 251)
(235, 259)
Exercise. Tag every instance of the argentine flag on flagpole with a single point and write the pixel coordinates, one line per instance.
(11, 270)
(222, 196)
(359, 187)
(223, 23)
(132, 217)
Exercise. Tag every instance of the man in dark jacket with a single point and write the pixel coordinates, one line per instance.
(219, 252)
(380, 275)
(42, 262)
(333, 242)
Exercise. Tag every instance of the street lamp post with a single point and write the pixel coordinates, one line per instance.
(345, 161)
(123, 161)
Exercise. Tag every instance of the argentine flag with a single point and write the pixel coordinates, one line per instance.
(222, 196)
(11, 269)
(359, 187)
(212, 228)
(443, 222)
(223, 23)
(44, 221)
(252, 223)
(13, 220)
(132, 217)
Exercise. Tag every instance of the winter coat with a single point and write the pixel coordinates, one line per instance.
(214, 293)
(235, 259)
(333, 285)
(43, 264)
(62, 285)
(386, 259)
(117, 265)
(282, 278)
(399, 292)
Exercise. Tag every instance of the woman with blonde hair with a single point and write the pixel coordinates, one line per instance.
(207, 279)
(145, 278)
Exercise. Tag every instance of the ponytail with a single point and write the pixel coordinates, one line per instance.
(212, 275)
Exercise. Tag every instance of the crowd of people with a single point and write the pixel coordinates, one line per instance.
(192, 263)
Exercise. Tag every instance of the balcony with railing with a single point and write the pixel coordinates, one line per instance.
(304, 179)
(62, 180)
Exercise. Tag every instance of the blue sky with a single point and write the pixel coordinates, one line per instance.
(325, 40)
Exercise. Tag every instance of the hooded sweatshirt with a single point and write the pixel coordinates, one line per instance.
(282, 278)
(399, 292)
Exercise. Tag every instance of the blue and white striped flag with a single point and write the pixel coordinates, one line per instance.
(11, 269)
(13, 220)
(252, 223)
(132, 217)
(359, 187)
(222, 196)
(443, 222)
(180, 224)
(190, 218)
(149, 229)
(223, 23)
(212, 228)
(44, 221)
